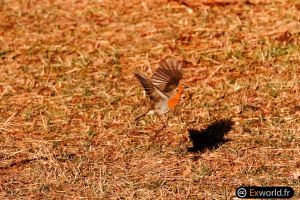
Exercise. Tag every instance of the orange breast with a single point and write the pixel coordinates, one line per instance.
(173, 101)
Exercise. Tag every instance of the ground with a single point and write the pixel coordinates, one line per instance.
(68, 98)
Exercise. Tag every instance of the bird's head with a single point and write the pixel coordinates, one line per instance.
(180, 88)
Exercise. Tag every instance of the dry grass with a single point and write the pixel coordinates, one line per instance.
(68, 98)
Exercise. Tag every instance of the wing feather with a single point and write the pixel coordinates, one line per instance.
(152, 91)
(167, 75)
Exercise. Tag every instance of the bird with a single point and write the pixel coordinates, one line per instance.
(163, 88)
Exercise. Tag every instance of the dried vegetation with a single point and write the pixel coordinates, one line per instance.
(68, 98)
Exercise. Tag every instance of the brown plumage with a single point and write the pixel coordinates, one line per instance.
(163, 89)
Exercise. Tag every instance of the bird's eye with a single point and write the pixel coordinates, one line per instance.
(177, 90)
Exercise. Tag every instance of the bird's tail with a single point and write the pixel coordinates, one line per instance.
(140, 116)
(149, 111)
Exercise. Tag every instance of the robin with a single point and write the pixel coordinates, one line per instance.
(163, 88)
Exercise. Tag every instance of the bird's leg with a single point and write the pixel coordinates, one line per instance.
(164, 122)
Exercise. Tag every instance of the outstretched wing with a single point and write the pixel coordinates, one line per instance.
(167, 75)
(151, 90)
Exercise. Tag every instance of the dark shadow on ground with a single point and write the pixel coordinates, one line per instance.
(211, 137)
